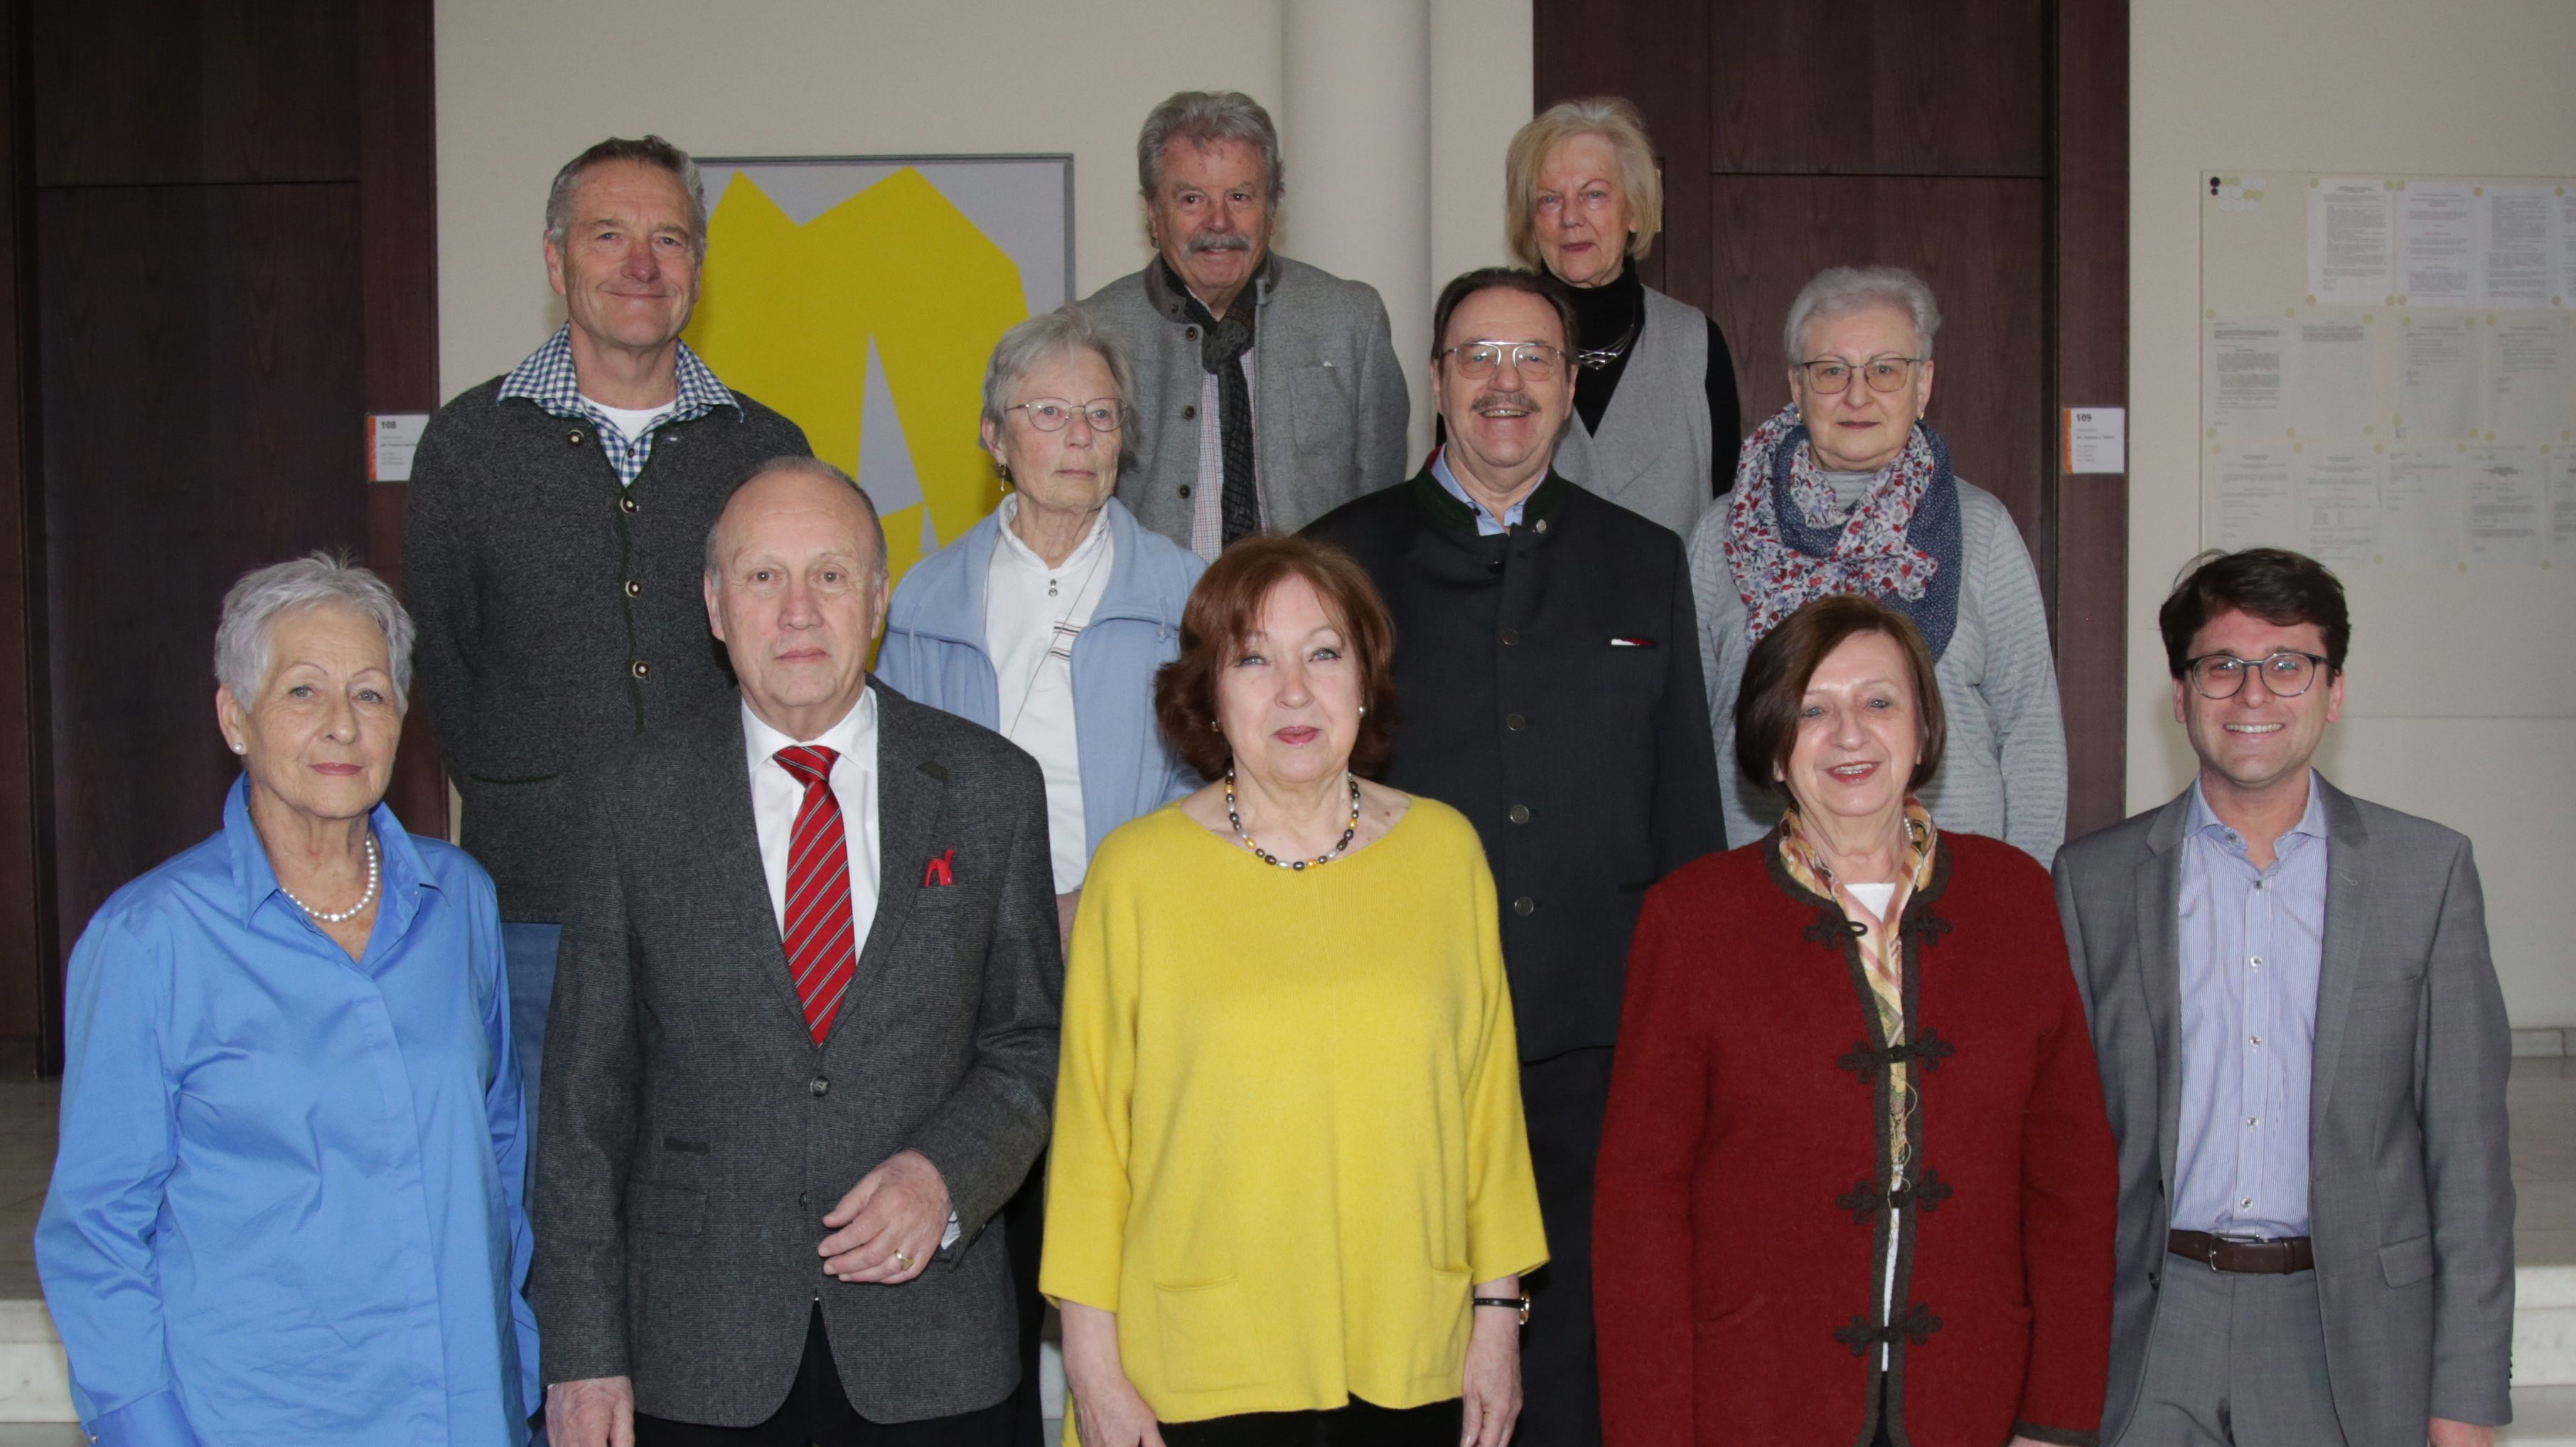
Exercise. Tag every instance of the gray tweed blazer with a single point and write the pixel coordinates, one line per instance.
(1328, 402)
(692, 1135)
(2410, 1197)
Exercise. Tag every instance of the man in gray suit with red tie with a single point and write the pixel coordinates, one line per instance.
(804, 1035)
(2303, 1049)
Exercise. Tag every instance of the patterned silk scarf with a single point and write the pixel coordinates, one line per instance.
(1789, 543)
(1882, 954)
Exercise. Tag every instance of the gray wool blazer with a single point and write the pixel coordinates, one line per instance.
(1328, 403)
(692, 1134)
(2410, 1193)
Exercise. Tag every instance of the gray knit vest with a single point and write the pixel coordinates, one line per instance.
(1654, 451)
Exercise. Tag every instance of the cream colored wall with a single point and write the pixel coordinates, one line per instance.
(2461, 687)
(521, 87)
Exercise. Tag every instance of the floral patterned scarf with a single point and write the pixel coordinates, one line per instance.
(1788, 543)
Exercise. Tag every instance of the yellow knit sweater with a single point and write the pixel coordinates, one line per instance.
(1288, 1132)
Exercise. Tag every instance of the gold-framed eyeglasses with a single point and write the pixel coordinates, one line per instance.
(1828, 375)
(1051, 414)
(2287, 673)
(1479, 360)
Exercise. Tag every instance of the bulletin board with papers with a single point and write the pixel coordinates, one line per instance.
(2388, 370)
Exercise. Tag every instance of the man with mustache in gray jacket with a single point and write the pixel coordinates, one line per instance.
(1267, 391)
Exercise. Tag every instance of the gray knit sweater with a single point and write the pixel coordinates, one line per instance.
(2004, 771)
(559, 612)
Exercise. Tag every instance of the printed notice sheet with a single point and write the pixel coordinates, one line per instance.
(2519, 225)
(2562, 504)
(2508, 498)
(2341, 489)
(2242, 367)
(2349, 243)
(2421, 506)
(2437, 377)
(2255, 503)
(2437, 244)
(2527, 378)
(2332, 394)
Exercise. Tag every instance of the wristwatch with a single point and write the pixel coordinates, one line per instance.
(1520, 1303)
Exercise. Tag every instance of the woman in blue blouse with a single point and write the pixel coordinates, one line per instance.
(286, 1208)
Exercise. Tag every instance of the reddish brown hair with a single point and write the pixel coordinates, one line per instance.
(1224, 609)
(1781, 666)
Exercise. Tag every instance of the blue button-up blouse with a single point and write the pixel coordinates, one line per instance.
(286, 1206)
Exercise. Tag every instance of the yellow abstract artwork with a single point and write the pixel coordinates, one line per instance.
(869, 325)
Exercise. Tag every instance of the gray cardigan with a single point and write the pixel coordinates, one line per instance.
(2004, 773)
(560, 614)
(1328, 404)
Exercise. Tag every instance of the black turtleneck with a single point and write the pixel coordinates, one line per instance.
(1604, 314)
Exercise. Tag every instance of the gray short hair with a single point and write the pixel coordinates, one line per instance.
(264, 595)
(802, 466)
(1841, 290)
(650, 151)
(1203, 118)
(1063, 333)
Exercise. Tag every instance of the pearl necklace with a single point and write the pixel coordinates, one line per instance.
(1266, 856)
(353, 911)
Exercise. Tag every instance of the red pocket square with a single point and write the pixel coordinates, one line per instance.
(941, 872)
(1632, 642)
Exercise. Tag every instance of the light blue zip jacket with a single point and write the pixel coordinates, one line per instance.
(934, 653)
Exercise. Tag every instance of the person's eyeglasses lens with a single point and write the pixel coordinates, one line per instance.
(1885, 374)
(1529, 359)
(1051, 416)
(2285, 675)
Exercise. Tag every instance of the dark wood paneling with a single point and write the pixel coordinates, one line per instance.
(1976, 242)
(201, 394)
(29, 997)
(2089, 294)
(1885, 87)
(1654, 52)
(398, 241)
(158, 92)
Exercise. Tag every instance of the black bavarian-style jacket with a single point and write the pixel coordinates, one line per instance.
(1548, 687)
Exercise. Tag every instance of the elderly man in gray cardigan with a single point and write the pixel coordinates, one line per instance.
(1847, 491)
(1267, 391)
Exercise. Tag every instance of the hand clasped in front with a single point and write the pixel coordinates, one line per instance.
(886, 1229)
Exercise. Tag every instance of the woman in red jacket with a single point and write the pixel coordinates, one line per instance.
(1856, 1182)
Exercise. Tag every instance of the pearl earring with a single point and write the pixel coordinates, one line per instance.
(239, 748)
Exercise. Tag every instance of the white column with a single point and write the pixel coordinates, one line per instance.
(1354, 116)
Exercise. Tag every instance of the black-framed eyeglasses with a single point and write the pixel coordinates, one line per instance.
(2287, 673)
(1829, 375)
(1051, 414)
(1479, 360)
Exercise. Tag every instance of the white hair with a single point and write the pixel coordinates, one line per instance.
(264, 595)
(1059, 335)
(1841, 290)
(1203, 118)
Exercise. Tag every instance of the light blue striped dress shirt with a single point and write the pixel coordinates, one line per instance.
(2252, 941)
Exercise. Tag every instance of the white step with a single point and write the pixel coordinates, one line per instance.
(2544, 1326)
(35, 1382)
(2542, 1417)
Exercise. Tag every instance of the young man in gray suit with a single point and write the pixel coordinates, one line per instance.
(1267, 391)
(804, 1034)
(2303, 1050)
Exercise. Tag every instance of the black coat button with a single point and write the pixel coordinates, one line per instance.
(573, 437)
(1185, 489)
(634, 589)
(1192, 333)
(626, 504)
(1511, 636)
(642, 669)
(1524, 906)
(819, 1085)
(1520, 813)
(1189, 411)
(1515, 722)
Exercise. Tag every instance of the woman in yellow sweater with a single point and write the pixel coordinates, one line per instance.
(1290, 1199)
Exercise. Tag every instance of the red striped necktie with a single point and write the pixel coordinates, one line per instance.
(821, 952)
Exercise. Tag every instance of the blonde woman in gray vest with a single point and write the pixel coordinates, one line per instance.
(1656, 418)
(1848, 490)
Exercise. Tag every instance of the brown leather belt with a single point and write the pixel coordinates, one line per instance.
(2277, 1257)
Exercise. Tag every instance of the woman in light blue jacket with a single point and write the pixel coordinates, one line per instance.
(1047, 620)
(1046, 623)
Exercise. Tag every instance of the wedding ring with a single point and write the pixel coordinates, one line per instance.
(903, 1259)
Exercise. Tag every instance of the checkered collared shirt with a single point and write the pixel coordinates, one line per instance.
(547, 379)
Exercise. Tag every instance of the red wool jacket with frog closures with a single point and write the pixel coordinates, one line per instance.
(1741, 1230)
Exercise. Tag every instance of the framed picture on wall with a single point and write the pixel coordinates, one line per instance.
(862, 295)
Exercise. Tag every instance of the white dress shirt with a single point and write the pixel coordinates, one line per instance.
(1032, 614)
(776, 795)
